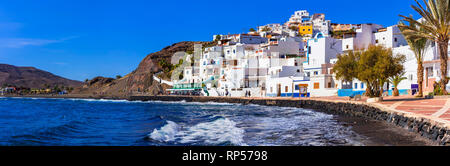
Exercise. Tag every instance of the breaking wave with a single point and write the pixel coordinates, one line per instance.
(219, 132)
(44, 121)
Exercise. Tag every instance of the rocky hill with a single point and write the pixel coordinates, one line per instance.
(140, 81)
(31, 77)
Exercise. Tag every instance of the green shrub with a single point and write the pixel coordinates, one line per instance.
(437, 89)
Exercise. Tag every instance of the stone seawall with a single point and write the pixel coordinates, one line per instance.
(433, 129)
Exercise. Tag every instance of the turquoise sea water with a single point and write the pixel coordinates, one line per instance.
(88, 122)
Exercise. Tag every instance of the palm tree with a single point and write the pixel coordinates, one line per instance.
(396, 81)
(434, 26)
(418, 46)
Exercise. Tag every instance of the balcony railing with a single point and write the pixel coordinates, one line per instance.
(188, 86)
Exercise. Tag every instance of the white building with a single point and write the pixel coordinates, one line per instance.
(286, 81)
(320, 25)
(270, 29)
(320, 53)
(390, 37)
(431, 66)
(361, 38)
(240, 38)
(298, 18)
(275, 62)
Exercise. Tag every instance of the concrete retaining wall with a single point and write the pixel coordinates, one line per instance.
(162, 81)
(426, 127)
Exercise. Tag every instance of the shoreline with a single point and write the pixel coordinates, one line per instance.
(361, 116)
(433, 129)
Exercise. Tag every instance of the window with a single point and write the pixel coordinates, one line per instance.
(429, 71)
(297, 87)
(316, 85)
(298, 70)
(356, 85)
(395, 39)
(308, 74)
(316, 73)
(362, 85)
(309, 50)
(286, 89)
(376, 41)
(347, 46)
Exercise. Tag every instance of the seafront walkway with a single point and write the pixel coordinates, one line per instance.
(437, 108)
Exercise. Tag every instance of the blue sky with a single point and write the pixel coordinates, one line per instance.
(81, 39)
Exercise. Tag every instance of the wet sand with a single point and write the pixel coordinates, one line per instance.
(379, 133)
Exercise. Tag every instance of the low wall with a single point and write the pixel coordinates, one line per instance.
(426, 127)
(162, 81)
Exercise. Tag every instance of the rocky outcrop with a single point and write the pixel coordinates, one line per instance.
(100, 81)
(140, 81)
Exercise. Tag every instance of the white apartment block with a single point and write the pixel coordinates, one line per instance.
(321, 51)
(299, 17)
(361, 38)
(320, 25)
(273, 29)
(431, 66)
(240, 38)
(390, 37)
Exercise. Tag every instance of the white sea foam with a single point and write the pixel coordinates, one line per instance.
(166, 102)
(104, 100)
(75, 99)
(166, 133)
(210, 103)
(212, 133)
(184, 102)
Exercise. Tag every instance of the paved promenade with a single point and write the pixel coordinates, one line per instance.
(434, 108)
(438, 108)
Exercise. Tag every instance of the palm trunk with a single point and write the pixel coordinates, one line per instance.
(420, 78)
(443, 54)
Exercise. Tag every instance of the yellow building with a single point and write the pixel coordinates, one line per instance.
(305, 29)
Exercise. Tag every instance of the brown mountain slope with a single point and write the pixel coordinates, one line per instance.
(140, 81)
(31, 77)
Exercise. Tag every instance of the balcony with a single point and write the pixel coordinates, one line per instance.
(188, 86)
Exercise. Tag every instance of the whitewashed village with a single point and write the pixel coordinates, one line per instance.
(293, 59)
